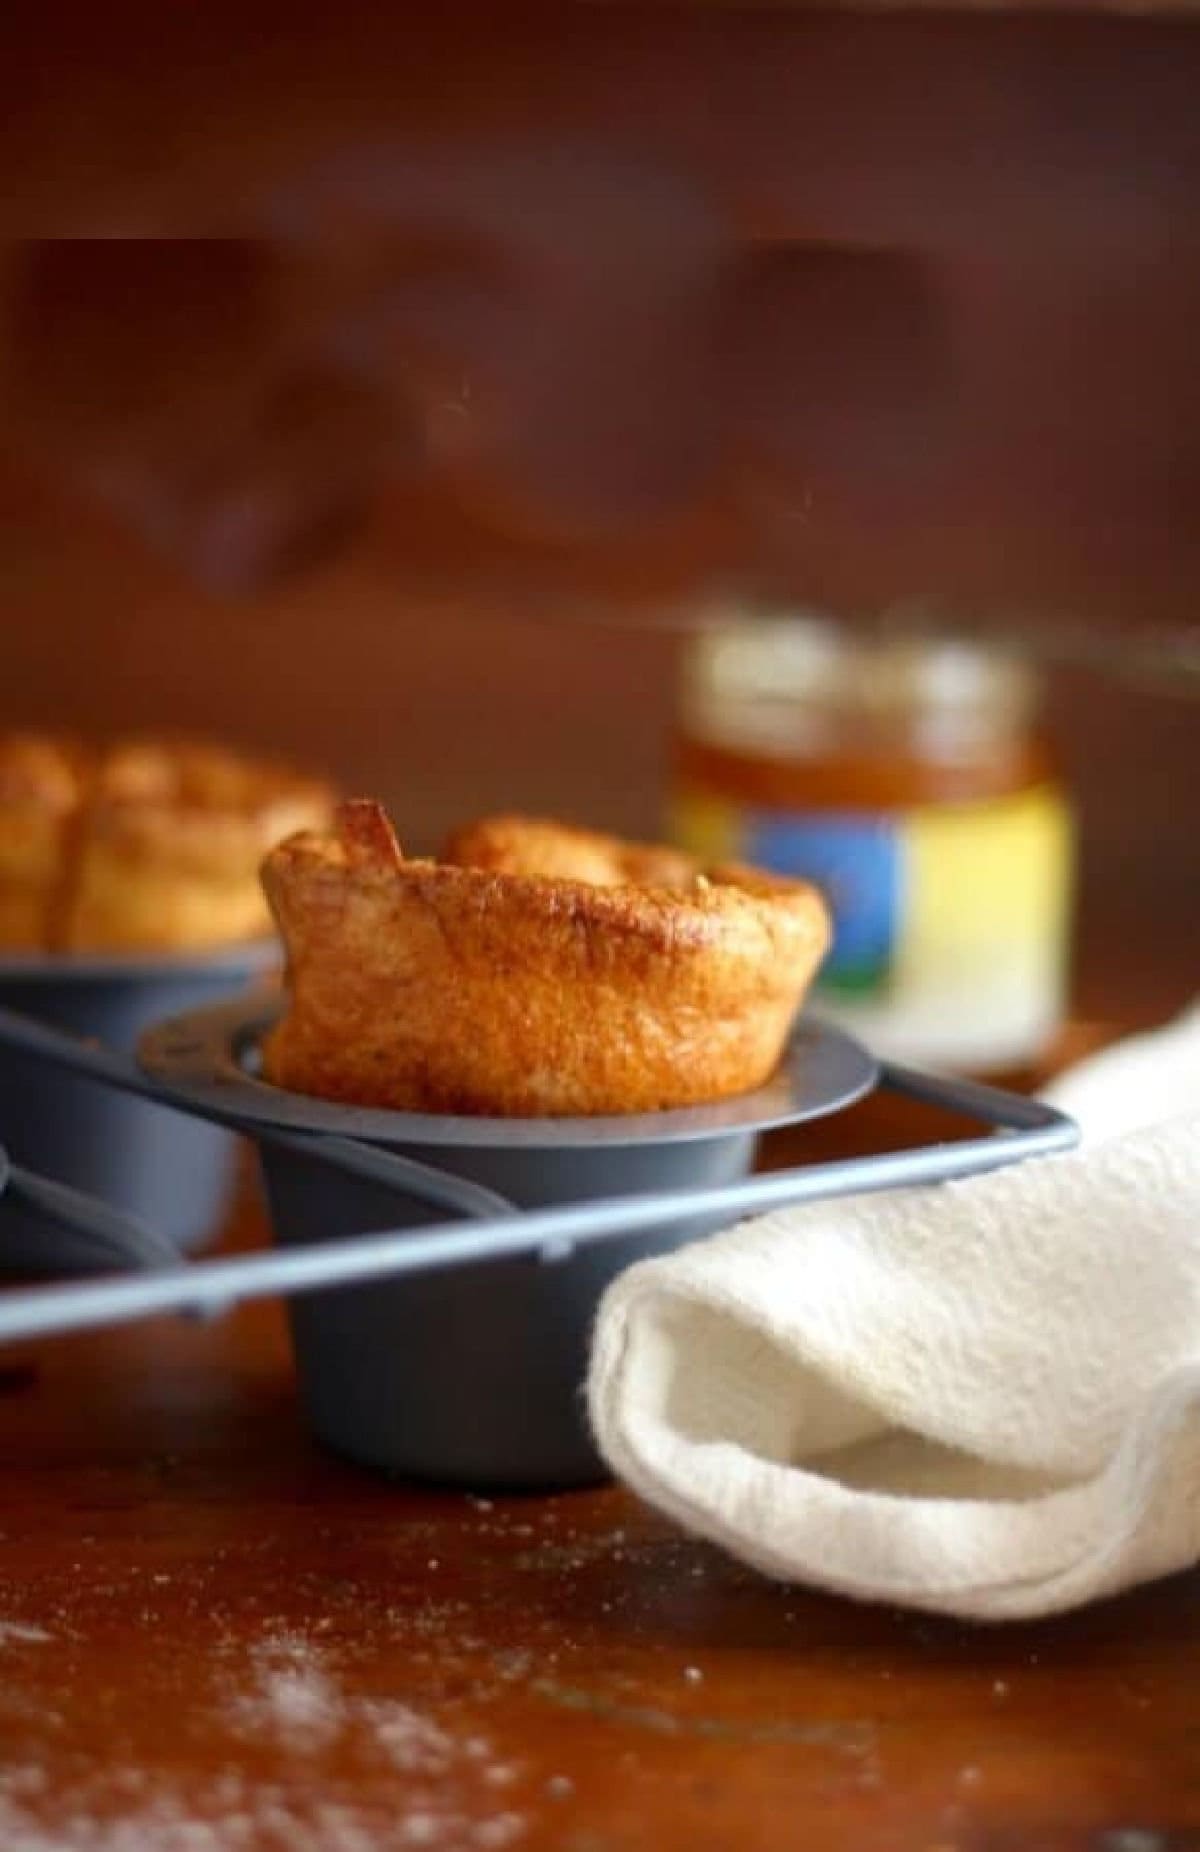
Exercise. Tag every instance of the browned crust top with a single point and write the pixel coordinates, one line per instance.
(533, 973)
(535, 868)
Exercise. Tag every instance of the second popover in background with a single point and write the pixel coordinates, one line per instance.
(141, 846)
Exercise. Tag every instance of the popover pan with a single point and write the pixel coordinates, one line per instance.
(457, 1352)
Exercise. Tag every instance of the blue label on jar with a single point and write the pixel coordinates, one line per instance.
(857, 862)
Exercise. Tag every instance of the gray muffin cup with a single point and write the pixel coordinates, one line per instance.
(475, 1375)
(167, 1169)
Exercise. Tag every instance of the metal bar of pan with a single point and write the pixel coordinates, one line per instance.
(116, 1238)
(1033, 1129)
(106, 1065)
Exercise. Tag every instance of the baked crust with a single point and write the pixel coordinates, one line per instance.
(142, 846)
(535, 970)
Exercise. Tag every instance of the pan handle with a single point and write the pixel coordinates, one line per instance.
(407, 1176)
(1026, 1128)
(80, 1234)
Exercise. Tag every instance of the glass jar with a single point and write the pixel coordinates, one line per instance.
(905, 776)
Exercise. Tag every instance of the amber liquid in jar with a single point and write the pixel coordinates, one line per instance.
(908, 779)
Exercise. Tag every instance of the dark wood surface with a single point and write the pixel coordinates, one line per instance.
(214, 1636)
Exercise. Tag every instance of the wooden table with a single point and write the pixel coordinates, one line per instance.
(214, 1638)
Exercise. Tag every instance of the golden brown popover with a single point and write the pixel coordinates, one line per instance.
(535, 970)
(141, 846)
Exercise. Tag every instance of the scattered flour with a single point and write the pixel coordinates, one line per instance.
(296, 1704)
(22, 1633)
(504, 1830)
(292, 1699)
(231, 1816)
(410, 1741)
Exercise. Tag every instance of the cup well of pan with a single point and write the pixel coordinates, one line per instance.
(474, 1376)
(171, 1171)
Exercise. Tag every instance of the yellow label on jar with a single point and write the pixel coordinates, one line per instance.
(949, 921)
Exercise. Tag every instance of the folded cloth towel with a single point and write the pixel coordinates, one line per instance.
(981, 1398)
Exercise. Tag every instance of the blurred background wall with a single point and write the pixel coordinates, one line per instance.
(492, 319)
(446, 710)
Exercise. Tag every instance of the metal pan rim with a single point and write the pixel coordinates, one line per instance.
(202, 1056)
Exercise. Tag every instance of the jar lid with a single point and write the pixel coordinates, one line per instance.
(789, 674)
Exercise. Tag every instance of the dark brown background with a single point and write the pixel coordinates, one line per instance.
(590, 298)
(356, 370)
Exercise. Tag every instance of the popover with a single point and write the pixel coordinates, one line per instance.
(143, 846)
(535, 970)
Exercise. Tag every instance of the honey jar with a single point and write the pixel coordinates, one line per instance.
(907, 776)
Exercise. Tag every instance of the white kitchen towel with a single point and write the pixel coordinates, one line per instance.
(981, 1398)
